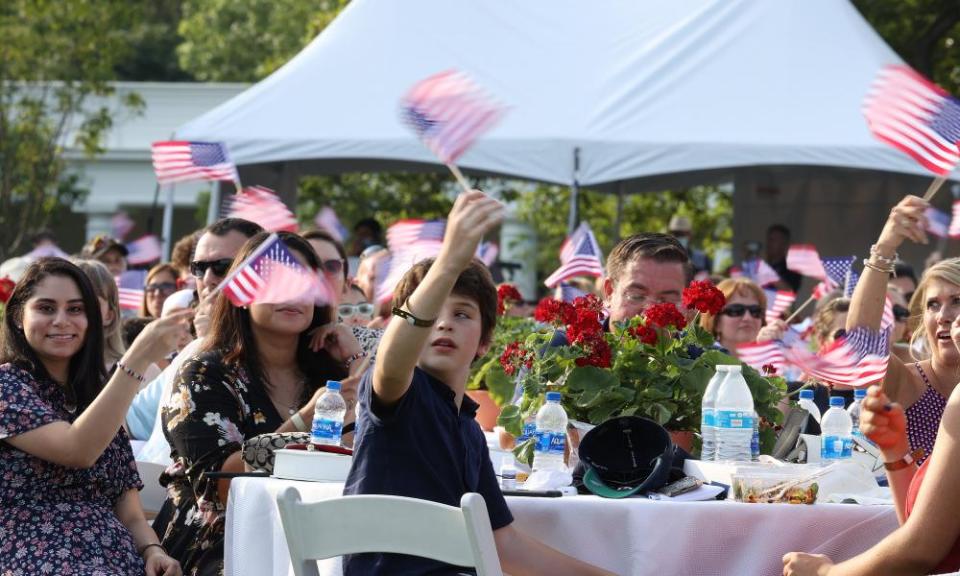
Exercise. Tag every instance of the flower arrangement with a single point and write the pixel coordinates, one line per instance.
(656, 365)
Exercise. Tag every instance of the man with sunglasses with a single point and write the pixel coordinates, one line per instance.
(215, 250)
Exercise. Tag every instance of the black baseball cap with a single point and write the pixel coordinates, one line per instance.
(625, 456)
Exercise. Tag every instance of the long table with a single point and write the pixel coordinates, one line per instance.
(630, 536)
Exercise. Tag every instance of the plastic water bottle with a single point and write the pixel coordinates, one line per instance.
(551, 435)
(755, 439)
(807, 403)
(708, 419)
(328, 416)
(854, 411)
(836, 439)
(734, 413)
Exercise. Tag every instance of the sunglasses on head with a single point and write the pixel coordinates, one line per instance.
(219, 267)
(738, 310)
(334, 266)
(348, 310)
(900, 313)
(161, 287)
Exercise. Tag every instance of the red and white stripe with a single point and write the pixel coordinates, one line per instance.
(182, 161)
(841, 364)
(261, 205)
(804, 259)
(954, 230)
(759, 354)
(782, 301)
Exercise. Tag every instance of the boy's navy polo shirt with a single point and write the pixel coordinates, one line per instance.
(423, 448)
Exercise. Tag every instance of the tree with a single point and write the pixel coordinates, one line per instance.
(56, 59)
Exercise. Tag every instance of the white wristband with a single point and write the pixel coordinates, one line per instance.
(298, 422)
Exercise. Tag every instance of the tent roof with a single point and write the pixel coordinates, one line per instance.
(641, 88)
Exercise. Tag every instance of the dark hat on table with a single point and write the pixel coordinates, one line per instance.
(626, 455)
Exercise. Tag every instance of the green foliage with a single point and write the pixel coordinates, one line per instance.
(487, 373)
(246, 40)
(153, 40)
(55, 58)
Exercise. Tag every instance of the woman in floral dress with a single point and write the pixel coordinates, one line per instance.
(69, 501)
(255, 374)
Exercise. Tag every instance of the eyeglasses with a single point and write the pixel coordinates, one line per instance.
(161, 287)
(348, 310)
(900, 313)
(738, 310)
(334, 266)
(199, 267)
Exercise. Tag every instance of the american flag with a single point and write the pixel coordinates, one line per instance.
(448, 111)
(805, 259)
(759, 272)
(858, 359)
(409, 241)
(487, 252)
(121, 225)
(271, 273)
(938, 222)
(915, 116)
(578, 257)
(181, 161)
(954, 230)
(851, 284)
(759, 354)
(144, 250)
(261, 205)
(326, 219)
(838, 273)
(130, 289)
(778, 302)
(887, 320)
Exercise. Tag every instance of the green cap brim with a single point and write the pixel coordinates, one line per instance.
(595, 485)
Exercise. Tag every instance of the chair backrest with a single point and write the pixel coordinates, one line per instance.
(153, 494)
(393, 524)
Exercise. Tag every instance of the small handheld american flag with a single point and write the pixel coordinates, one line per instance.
(130, 289)
(778, 302)
(915, 116)
(938, 223)
(409, 241)
(448, 112)
(144, 250)
(261, 205)
(182, 161)
(579, 256)
(805, 259)
(954, 230)
(271, 273)
(756, 270)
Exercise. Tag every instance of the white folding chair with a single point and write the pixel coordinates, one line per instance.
(153, 494)
(370, 523)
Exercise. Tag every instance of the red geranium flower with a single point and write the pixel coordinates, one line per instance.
(703, 296)
(554, 312)
(599, 355)
(507, 293)
(769, 369)
(6, 289)
(645, 334)
(588, 302)
(665, 314)
(513, 357)
(586, 326)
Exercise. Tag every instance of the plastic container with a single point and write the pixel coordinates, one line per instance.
(854, 411)
(807, 403)
(328, 416)
(551, 435)
(734, 414)
(708, 419)
(780, 485)
(836, 438)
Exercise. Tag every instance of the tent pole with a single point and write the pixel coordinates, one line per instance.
(574, 193)
(621, 190)
(213, 209)
(168, 224)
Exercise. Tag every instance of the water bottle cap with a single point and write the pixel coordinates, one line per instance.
(333, 385)
(735, 368)
(836, 401)
(806, 394)
(723, 368)
(553, 396)
(860, 393)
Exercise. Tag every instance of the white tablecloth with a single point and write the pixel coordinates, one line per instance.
(631, 536)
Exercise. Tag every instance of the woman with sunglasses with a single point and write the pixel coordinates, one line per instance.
(161, 283)
(69, 495)
(742, 317)
(354, 310)
(923, 385)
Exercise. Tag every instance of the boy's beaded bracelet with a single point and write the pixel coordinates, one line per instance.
(130, 372)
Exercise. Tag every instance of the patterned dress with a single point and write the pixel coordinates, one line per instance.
(213, 408)
(53, 519)
(923, 417)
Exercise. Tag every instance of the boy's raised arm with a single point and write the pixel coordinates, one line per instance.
(473, 215)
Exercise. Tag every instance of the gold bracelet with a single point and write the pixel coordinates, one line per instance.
(878, 268)
(883, 260)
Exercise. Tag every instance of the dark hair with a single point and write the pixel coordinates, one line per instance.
(372, 224)
(132, 327)
(904, 270)
(231, 331)
(475, 283)
(224, 226)
(779, 228)
(358, 289)
(653, 245)
(325, 236)
(182, 253)
(87, 372)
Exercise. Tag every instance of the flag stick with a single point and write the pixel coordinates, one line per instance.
(800, 309)
(459, 176)
(934, 186)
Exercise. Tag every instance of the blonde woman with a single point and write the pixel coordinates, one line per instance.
(921, 387)
(160, 284)
(105, 287)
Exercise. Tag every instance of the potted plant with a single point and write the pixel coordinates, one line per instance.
(656, 365)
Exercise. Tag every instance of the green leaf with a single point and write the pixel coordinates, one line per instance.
(591, 378)
(510, 420)
(500, 385)
(523, 452)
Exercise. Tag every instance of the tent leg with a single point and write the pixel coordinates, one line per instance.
(168, 224)
(618, 223)
(574, 194)
(213, 209)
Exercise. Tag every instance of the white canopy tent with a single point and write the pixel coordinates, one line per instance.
(641, 93)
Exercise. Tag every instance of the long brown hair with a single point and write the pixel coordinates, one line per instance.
(87, 372)
(231, 330)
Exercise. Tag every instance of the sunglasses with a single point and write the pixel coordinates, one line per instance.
(738, 310)
(900, 313)
(219, 267)
(348, 310)
(161, 287)
(334, 266)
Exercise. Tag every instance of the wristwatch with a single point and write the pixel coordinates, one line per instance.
(413, 320)
(906, 461)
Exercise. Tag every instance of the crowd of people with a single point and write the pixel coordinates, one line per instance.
(193, 377)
